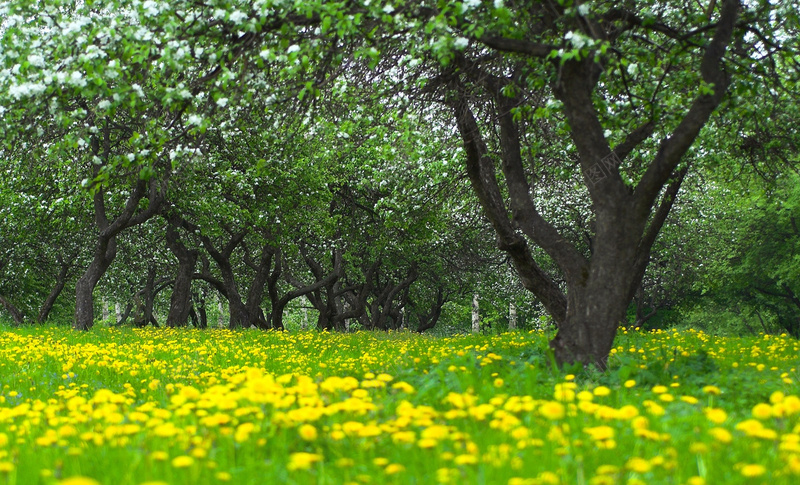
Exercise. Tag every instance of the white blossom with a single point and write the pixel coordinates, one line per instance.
(26, 90)
(470, 4)
(194, 120)
(222, 102)
(150, 8)
(36, 60)
(238, 16)
(293, 48)
(461, 43)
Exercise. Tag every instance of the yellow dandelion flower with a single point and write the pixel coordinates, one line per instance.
(762, 411)
(601, 391)
(721, 434)
(696, 481)
(427, 443)
(638, 465)
(465, 460)
(183, 461)
(599, 433)
(552, 410)
(302, 460)
(712, 390)
(6, 466)
(394, 468)
(752, 470)
(307, 432)
(715, 415)
(629, 383)
(223, 476)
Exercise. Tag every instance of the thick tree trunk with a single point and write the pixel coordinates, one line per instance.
(180, 303)
(84, 289)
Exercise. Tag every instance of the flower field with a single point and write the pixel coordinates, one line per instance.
(130, 406)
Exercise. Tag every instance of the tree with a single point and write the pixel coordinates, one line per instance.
(633, 86)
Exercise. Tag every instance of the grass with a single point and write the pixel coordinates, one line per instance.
(133, 406)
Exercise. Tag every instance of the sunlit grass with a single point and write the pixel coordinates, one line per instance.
(125, 406)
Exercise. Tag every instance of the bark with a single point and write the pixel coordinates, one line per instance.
(16, 314)
(150, 294)
(323, 281)
(512, 316)
(429, 320)
(180, 304)
(106, 248)
(382, 306)
(476, 318)
(600, 287)
(55, 292)
(238, 311)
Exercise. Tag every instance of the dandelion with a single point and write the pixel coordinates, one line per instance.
(303, 460)
(552, 410)
(393, 469)
(752, 470)
(638, 465)
(721, 434)
(762, 411)
(601, 391)
(307, 432)
(183, 461)
(715, 415)
(465, 460)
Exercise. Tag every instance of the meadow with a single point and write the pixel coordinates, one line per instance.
(155, 406)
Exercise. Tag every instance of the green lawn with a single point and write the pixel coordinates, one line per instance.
(124, 406)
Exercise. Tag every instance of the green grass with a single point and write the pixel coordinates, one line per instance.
(188, 406)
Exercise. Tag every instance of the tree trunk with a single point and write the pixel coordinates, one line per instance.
(55, 292)
(180, 303)
(512, 316)
(476, 319)
(117, 313)
(16, 314)
(150, 295)
(84, 289)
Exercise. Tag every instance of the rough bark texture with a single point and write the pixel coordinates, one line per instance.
(180, 304)
(106, 248)
(600, 286)
(16, 314)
